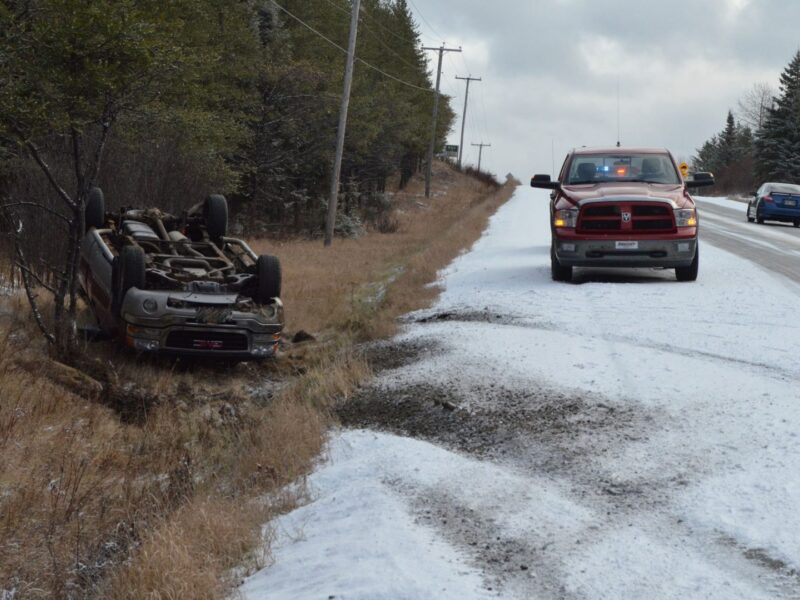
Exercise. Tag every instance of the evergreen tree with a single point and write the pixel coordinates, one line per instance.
(727, 142)
(777, 146)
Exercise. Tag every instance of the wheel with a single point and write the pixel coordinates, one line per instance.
(759, 217)
(558, 271)
(95, 212)
(796, 222)
(268, 271)
(689, 273)
(215, 213)
(749, 218)
(127, 271)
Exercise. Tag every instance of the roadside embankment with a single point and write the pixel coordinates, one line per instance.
(139, 477)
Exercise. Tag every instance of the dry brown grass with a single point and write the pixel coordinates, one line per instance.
(159, 499)
(343, 288)
(81, 491)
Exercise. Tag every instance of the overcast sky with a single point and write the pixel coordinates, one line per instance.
(551, 69)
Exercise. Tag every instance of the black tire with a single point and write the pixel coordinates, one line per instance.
(749, 218)
(689, 273)
(796, 222)
(128, 271)
(268, 271)
(215, 213)
(95, 213)
(759, 218)
(558, 271)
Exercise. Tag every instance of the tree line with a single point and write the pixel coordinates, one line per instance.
(763, 144)
(161, 103)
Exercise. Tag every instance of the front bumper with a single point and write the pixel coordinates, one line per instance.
(622, 253)
(201, 329)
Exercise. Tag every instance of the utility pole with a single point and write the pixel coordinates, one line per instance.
(464, 115)
(441, 50)
(481, 146)
(337, 161)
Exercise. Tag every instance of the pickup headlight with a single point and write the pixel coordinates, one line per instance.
(685, 217)
(566, 218)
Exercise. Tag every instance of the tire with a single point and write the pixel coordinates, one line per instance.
(95, 212)
(796, 222)
(689, 273)
(749, 218)
(558, 271)
(128, 271)
(215, 213)
(759, 218)
(268, 271)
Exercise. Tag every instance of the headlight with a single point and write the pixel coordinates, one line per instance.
(685, 217)
(150, 305)
(566, 218)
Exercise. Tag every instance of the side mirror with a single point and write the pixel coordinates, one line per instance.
(754, 194)
(701, 179)
(543, 181)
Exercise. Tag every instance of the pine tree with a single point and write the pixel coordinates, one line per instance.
(727, 142)
(778, 142)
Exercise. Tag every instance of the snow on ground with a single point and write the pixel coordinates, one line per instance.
(723, 202)
(358, 540)
(711, 366)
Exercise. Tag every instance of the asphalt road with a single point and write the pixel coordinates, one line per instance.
(773, 246)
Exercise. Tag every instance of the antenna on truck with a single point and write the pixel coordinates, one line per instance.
(618, 144)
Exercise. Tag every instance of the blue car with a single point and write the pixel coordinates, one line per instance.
(775, 202)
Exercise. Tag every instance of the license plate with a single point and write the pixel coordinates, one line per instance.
(790, 202)
(627, 245)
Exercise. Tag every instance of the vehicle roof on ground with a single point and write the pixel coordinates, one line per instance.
(623, 150)
(787, 188)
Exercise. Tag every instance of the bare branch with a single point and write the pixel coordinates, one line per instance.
(25, 272)
(47, 209)
(94, 169)
(38, 279)
(77, 158)
(34, 152)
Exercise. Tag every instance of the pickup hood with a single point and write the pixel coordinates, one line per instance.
(676, 195)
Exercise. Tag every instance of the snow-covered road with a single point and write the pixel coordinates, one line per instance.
(626, 437)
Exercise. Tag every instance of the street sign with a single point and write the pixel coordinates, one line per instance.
(684, 169)
(451, 151)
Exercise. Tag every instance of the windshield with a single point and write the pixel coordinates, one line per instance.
(598, 168)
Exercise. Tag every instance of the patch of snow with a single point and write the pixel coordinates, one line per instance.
(711, 363)
(358, 539)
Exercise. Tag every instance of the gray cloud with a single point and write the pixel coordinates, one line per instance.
(551, 70)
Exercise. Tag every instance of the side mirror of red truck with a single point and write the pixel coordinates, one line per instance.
(543, 181)
(701, 179)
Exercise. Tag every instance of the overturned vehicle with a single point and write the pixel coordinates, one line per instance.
(178, 284)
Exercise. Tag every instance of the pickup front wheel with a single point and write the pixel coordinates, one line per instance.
(558, 271)
(689, 273)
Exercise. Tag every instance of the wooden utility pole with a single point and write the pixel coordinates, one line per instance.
(481, 146)
(337, 161)
(441, 50)
(464, 115)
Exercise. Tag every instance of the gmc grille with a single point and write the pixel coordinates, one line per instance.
(186, 339)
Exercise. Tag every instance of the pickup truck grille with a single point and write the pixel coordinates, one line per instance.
(620, 217)
(187, 339)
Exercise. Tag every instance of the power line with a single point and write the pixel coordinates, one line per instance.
(421, 16)
(375, 35)
(361, 60)
(388, 30)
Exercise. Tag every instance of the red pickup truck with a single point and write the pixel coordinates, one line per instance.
(622, 207)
